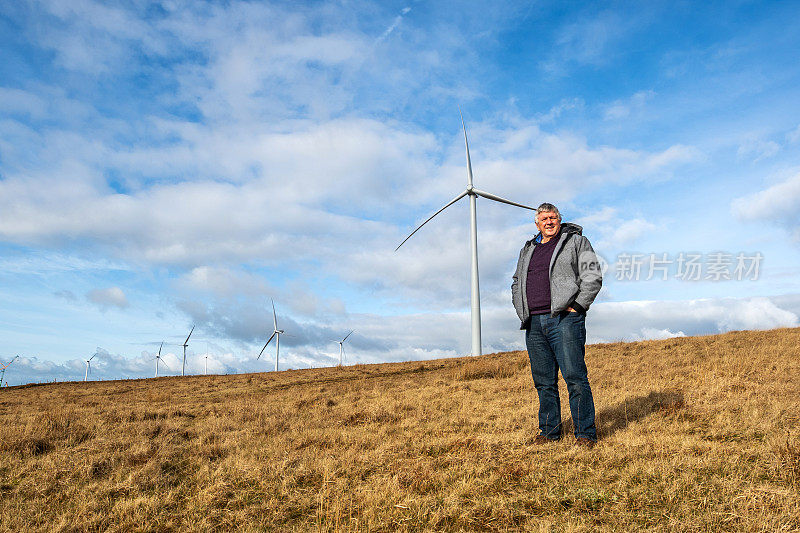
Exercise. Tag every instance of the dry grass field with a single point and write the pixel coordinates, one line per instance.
(697, 434)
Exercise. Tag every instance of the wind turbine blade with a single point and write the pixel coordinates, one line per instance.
(265, 346)
(92, 357)
(454, 200)
(159, 348)
(466, 144)
(190, 334)
(274, 316)
(501, 200)
(166, 365)
(347, 336)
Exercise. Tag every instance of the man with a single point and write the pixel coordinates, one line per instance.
(557, 279)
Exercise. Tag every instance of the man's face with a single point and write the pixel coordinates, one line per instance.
(548, 223)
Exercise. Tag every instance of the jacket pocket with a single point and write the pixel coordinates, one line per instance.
(563, 291)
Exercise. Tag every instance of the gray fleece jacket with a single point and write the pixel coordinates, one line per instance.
(575, 274)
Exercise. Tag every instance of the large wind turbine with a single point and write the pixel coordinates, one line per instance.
(473, 194)
(158, 358)
(341, 347)
(3, 373)
(88, 366)
(185, 344)
(275, 333)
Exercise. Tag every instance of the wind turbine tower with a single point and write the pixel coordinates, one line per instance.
(473, 194)
(275, 333)
(89, 366)
(341, 348)
(185, 344)
(3, 372)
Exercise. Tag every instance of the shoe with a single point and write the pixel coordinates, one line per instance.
(583, 442)
(541, 439)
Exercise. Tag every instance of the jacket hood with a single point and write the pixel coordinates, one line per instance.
(566, 228)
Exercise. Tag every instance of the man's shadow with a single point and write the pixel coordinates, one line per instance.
(618, 417)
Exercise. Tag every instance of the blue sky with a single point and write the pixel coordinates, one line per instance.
(178, 163)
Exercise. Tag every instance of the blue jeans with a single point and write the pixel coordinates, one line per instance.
(559, 343)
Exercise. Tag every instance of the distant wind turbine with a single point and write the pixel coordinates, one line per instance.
(159, 358)
(473, 194)
(185, 344)
(276, 333)
(89, 366)
(341, 347)
(3, 373)
(205, 373)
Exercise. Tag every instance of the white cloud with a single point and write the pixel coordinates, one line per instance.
(224, 282)
(93, 37)
(624, 108)
(604, 215)
(337, 168)
(794, 135)
(397, 20)
(615, 232)
(562, 107)
(658, 334)
(628, 232)
(614, 321)
(109, 297)
(17, 101)
(779, 202)
(592, 38)
(757, 149)
(105, 366)
(585, 41)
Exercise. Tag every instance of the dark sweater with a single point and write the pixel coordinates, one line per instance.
(538, 282)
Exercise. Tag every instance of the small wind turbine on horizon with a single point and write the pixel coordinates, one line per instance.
(276, 333)
(341, 347)
(205, 372)
(3, 373)
(185, 344)
(89, 366)
(159, 358)
(473, 194)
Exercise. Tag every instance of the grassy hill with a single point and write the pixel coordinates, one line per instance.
(697, 434)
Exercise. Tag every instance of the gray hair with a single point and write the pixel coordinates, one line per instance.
(547, 208)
